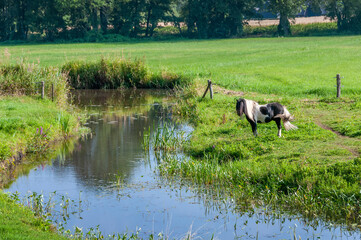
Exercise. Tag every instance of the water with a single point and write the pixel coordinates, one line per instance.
(113, 183)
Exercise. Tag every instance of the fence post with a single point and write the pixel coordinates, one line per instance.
(206, 90)
(42, 89)
(210, 88)
(338, 81)
(52, 92)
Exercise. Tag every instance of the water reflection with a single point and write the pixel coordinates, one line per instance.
(115, 147)
(92, 167)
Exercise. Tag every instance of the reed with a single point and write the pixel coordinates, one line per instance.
(25, 78)
(118, 73)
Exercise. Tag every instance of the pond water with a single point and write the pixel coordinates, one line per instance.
(112, 183)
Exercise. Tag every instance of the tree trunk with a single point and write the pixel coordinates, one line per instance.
(177, 24)
(94, 16)
(21, 28)
(103, 20)
(284, 25)
(148, 20)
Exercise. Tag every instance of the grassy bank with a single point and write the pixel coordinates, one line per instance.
(18, 222)
(28, 123)
(313, 171)
(30, 127)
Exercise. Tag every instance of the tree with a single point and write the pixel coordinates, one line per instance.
(347, 13)
(217, 18)
(7, 27)
(156, 10)
(286, 9)
(127, 16)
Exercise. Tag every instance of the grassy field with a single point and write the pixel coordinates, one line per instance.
(299, 67)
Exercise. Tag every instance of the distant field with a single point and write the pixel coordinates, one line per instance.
(302, 67)
(299, 20)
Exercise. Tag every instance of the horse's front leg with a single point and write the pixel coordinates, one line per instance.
(254, 128)
(279, 126)
(253, 125)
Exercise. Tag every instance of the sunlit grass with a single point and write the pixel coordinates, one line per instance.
(303, 67)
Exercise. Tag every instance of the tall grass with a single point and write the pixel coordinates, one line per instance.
(24, 79)
(118, 73)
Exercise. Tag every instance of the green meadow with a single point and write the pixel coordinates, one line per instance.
(300, 67)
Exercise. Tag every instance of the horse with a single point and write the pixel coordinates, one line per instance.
(256, 113)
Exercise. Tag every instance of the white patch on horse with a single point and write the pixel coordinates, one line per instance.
(250, 106)
(258, 114)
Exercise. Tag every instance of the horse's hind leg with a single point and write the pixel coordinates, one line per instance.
(279, 126)
(254, 129)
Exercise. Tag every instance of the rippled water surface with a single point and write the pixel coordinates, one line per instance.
(113, 184)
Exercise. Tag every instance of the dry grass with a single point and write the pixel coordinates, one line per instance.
(300, 20)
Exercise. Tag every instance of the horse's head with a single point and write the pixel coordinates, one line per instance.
(240, 107)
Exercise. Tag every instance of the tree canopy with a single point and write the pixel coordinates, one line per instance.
(73, 19)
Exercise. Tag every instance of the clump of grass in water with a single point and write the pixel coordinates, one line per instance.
(146, 139)
(64, 121)
(165, 138)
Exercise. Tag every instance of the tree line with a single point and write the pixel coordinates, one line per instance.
(71, 19)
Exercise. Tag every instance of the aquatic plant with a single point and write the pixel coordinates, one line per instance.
(165, 137)
(146, 139)
(64, 121)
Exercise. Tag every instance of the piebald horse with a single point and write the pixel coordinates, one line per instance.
(256, 113)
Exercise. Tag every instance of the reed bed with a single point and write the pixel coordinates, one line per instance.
(118, 73)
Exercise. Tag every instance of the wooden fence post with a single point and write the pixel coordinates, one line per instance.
(338, 81)
(209, 86)
(210, 89)
(52, 92)
(42, 89)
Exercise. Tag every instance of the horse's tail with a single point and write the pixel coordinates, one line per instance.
(286, 118)
(289, 126)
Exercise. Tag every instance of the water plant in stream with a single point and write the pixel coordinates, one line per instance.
(64, 122)
(165, 137)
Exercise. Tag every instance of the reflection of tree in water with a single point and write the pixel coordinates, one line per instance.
(116, 145)
(116, 98)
